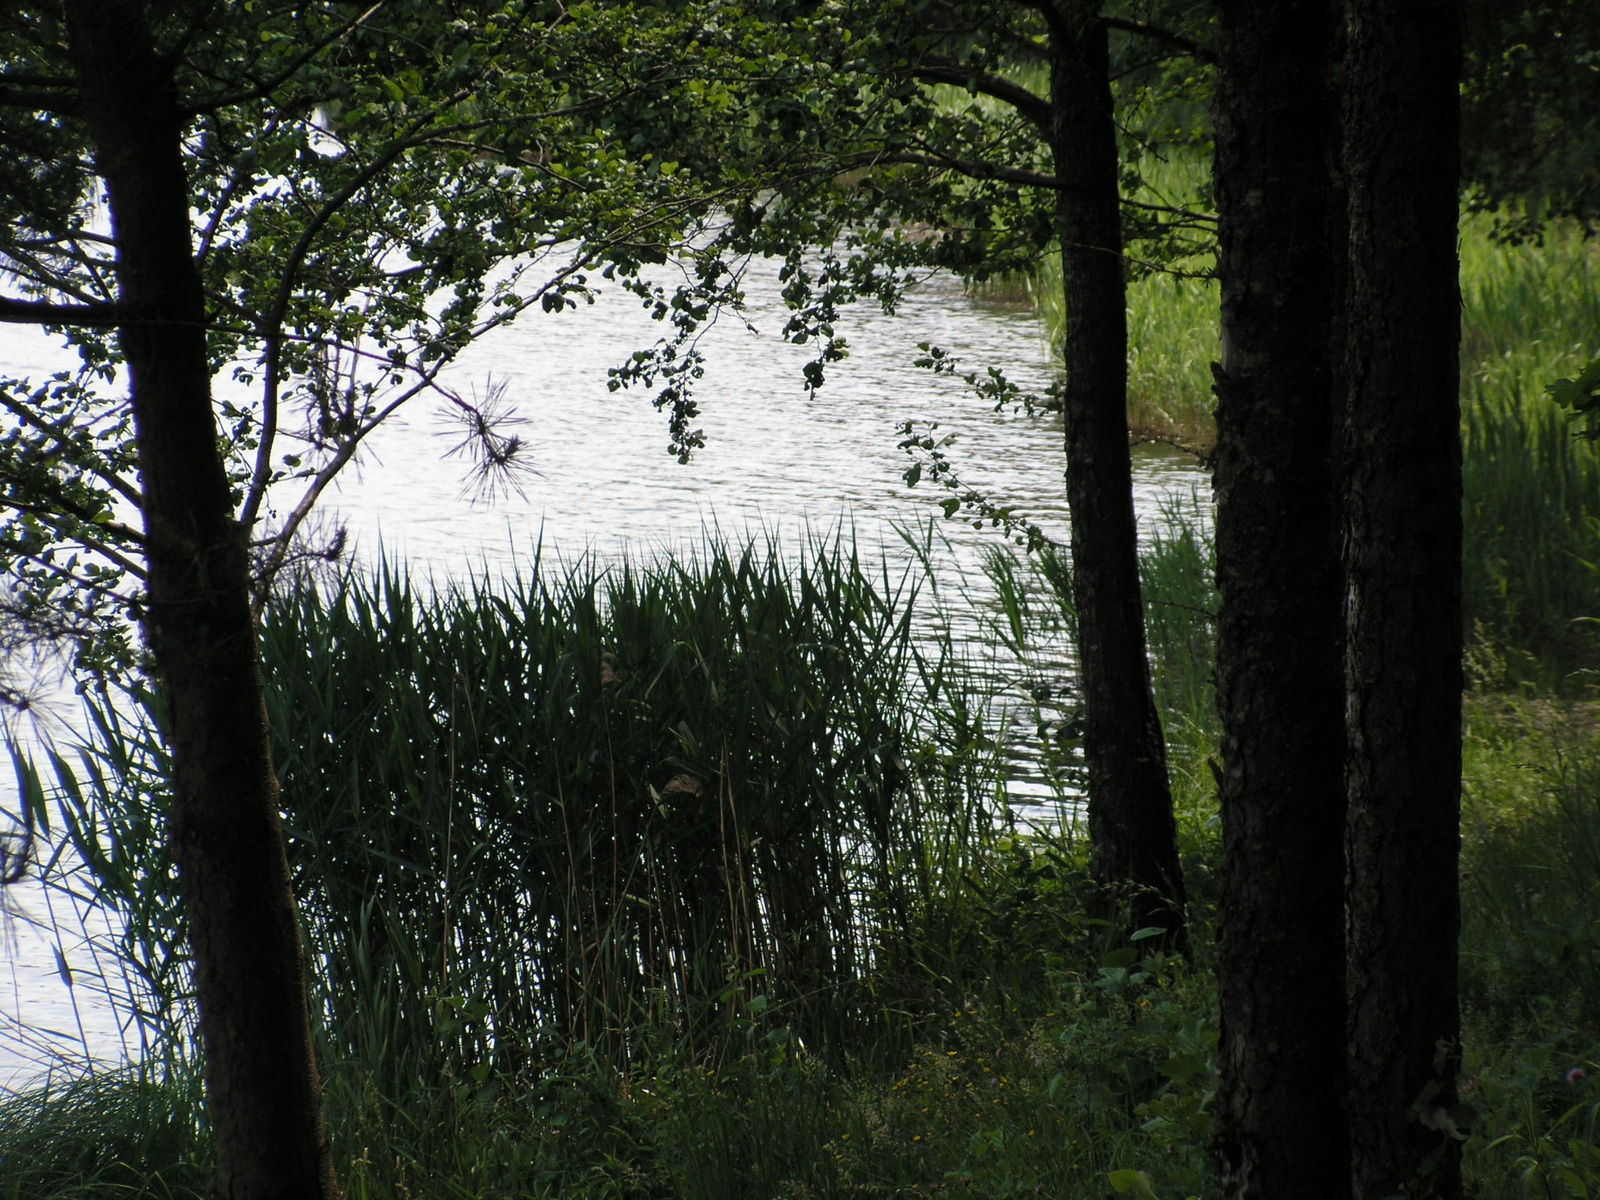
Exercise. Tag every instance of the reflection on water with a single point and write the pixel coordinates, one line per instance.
(776, 462)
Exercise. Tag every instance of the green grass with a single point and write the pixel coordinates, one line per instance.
(131, 1132)
(1531, 941)
(1531, 508)
(1024, 1058)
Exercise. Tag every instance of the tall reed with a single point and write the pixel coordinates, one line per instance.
(1177, 566)
(586, 805)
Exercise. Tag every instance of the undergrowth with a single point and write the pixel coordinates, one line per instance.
(964, 1027)
(1030, 1058)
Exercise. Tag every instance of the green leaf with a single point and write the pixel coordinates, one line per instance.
(1123, 956)
(1182, 1067)
(1136, 1182)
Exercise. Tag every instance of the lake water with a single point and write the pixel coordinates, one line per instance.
(776, 460)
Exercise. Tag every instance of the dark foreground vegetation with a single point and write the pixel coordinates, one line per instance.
(696, 877)
(931, 1012)
(693, 878)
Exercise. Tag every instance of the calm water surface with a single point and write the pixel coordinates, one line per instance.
(776, 460)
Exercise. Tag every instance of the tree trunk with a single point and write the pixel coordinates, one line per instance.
(1131, 828)
(1402, 544)
(262, 1086)
(1280, 682)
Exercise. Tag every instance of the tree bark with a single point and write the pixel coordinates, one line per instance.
(1402, 547)
(262, 1086)
(1131, 827)
(1280, 683)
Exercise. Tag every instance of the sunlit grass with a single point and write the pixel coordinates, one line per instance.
(1531, 510)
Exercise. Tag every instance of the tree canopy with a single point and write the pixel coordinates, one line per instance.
(371, 187)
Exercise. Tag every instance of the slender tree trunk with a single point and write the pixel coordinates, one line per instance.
(1280, 680)
(1131, 827)
(262, 1086)
(1402, 546)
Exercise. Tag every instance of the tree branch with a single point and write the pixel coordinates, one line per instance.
(263, 88)
(42, 312)
(101, 548)
(1030, 105)
(110, 478)
(1156, 32)
(971, 168)
(1060, 31)
(38, 93)
(79, 582)
(1187, 214)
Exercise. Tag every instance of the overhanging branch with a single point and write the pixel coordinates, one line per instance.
(1030, 105)
(971, 168)
(1160, 34)
(43, 312)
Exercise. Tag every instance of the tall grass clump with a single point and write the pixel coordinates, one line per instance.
(1177, 567)
(582, 803)
(1532, 490)
(1177, 573)
(586, 807)
(136, 1131)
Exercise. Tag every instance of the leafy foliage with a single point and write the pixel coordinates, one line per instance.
(1581, 397)
(1531, 113)
(372, 190)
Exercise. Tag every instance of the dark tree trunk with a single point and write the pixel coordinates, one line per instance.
(1280, 680)
(262, 1087)
(1402, 545)
(1131, 826)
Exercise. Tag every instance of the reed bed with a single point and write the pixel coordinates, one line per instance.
(1035, 621)
(586, 807)
(578, 804)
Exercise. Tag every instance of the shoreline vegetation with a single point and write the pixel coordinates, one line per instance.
(1531, 514)
(691, 879)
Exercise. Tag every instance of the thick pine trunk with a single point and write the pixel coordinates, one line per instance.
(1280, 680)
(262, 1088)
(1402, 537)
(1131, 827)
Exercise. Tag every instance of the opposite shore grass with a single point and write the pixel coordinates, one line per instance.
(1530, 315)
(1531, 508)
